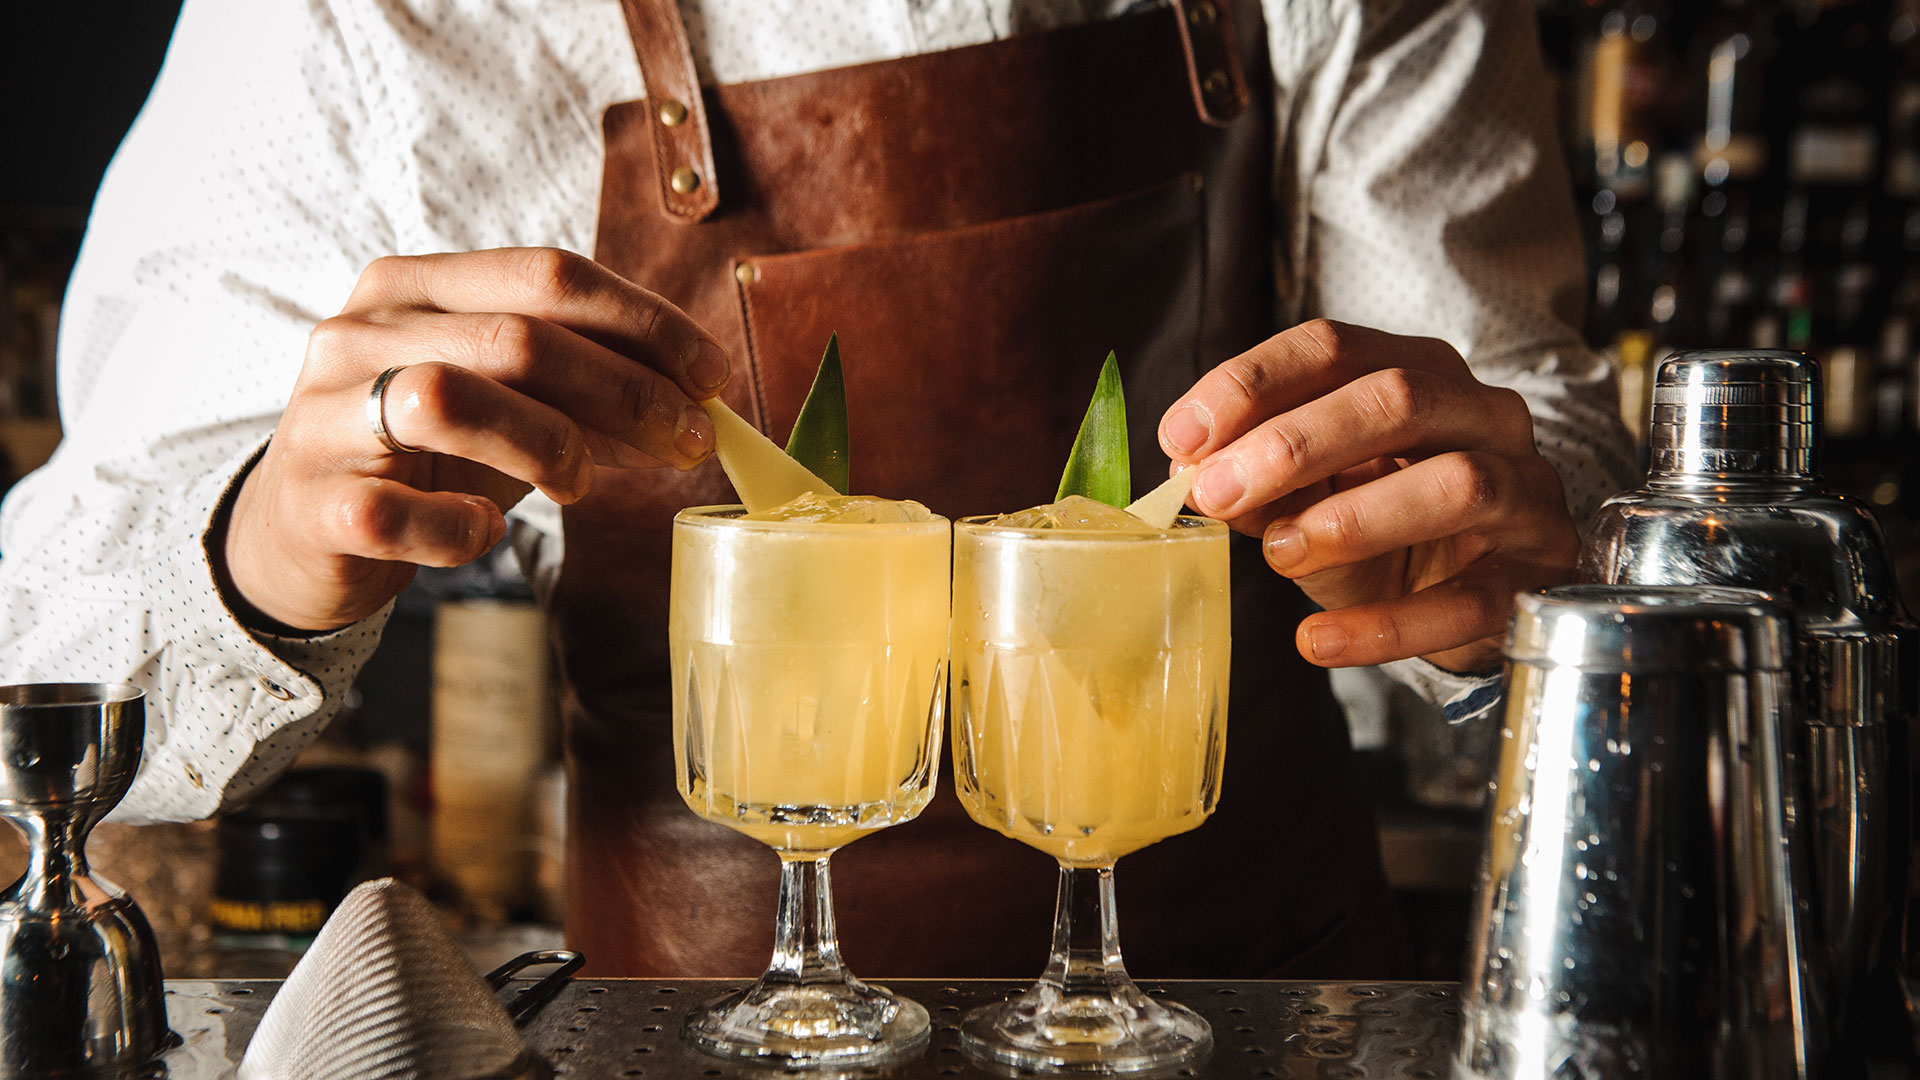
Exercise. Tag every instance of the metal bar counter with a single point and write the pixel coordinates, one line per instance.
(631, 1028)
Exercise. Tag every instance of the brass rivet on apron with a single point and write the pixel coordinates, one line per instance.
(672, 113)
(1198, 181)
(684, 180)
(1216, 83)
(746, 273)
(1203, 14)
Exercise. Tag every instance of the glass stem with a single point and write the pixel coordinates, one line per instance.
(1086, 933)
(806, 947)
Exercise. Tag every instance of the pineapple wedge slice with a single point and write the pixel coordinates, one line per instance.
(762, 473)
(1160, 506)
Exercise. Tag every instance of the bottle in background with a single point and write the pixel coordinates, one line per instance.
(1673, 322)
(1730, 50)
(1624, 92)
(286, 860)
(489, 746)
(1727, 274)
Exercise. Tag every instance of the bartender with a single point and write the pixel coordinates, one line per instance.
(326, 328)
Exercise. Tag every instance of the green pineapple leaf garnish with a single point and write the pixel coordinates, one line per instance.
(1098, 467)
(819, 439)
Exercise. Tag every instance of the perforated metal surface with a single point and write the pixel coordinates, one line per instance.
(631, 1028)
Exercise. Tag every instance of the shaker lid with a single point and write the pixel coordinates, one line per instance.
(1650, 628)
(1722, 413)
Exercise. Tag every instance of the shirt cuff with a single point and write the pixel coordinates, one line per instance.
(1461, 697)
(229, 708)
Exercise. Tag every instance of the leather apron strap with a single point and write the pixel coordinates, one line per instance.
(683, 142)
(1214, 74)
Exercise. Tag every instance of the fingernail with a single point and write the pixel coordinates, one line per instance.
(1187, 430)
(1326, 640)
(708, 369)
(1286, 545)
(1220, 486)
(482, 540)
(694, 440)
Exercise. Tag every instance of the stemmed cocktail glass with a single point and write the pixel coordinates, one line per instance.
(809, 668)
(1089, 695)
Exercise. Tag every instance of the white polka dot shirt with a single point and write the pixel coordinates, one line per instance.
(287, 144)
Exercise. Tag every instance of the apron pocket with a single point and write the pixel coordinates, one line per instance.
(970, 353)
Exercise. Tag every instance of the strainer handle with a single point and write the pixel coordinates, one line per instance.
(525, 1004)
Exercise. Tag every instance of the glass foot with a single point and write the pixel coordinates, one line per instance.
(797, 1026)
(1119, 1030)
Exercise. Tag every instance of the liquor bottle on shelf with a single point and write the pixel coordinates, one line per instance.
(1727, 276)
(1893, 383)
(1892, 450)
(1849, 371)
(1903, 321)
(1624, 88)
(1621, 314)
(1786, 322)
(1834, 165)
(1636, 362)
(1671, 318)
(1842, 69)
(1732, 45)
(1607, 232)
(1901, 174)
(1900, 339)
(1849, 313)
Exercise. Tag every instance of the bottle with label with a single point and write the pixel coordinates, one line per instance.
(1840, 70)
(491, 732)
(286, 860)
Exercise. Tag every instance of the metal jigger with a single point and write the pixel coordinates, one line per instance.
(1639, 911)
(80, 985)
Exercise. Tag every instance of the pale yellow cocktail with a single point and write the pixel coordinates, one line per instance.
(1090, 680)
(808, 658)
(1090, 656)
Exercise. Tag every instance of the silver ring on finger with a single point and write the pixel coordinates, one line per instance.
(377, 412)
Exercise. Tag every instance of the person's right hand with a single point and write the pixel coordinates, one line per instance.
(522, 369)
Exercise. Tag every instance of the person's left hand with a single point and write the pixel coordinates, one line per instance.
(1402, 494)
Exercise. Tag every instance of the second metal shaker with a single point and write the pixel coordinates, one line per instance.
(1734, 497)
(1637, 911)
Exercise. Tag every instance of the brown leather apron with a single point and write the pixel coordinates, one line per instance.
(980, 226)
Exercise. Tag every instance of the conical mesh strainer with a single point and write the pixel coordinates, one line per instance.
(385, 993)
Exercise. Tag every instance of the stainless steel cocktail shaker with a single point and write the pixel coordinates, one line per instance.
(1733, 496)
(1638, 909)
